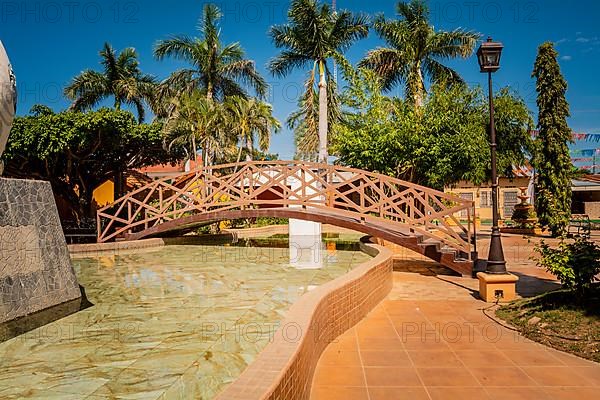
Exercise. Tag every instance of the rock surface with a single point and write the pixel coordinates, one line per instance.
(8, 100)
(35, 268)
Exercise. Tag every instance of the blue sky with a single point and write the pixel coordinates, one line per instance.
(49, 42)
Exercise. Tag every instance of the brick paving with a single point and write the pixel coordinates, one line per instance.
(430, 339)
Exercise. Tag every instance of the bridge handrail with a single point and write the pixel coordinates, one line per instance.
(201, 170)
(425, 209)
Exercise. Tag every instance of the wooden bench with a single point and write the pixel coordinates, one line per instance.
(579, 225)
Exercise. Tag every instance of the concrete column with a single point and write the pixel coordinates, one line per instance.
(305, 241)
(8, 100)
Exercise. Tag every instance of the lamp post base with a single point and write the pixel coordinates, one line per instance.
(497, 288)
(496, 263)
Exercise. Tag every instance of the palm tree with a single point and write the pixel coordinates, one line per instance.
(217, 69)
(250, 118)
(305, 121)
(416, 50)
(196, 120)
(121, 78)
(313, 35)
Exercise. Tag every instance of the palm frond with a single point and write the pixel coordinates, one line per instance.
(413, 11)
(229, 87)
(396, 33)
(127, 61)
(452, 44)
(245, 72)
(440, 74)
(108, 59)
(287, 61)
(414, 48)
(209, 23)
(390, 64)
(218, 69)
(87, 82)
(179, 47)
(348, 28)
(285, 36)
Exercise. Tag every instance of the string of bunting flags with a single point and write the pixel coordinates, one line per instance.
(582, 155)
(586, 155)
(576, 135)
(581, 159)
(585, 152)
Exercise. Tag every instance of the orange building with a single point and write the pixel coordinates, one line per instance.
(171, 170)
(104, 193)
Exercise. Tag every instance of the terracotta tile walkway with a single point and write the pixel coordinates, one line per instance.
(431, 340)
(446, 349)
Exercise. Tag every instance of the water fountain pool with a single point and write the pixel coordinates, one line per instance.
(171, 322)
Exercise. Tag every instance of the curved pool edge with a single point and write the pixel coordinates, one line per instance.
(92, 249)
(284, 369)
(88, 249)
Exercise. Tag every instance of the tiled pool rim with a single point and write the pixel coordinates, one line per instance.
(285, 368)
(88, 249)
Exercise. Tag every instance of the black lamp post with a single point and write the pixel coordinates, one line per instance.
(488, 56)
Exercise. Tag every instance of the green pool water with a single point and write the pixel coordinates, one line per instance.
(176, 322)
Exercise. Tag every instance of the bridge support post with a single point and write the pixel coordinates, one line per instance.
(305, 241)
(306, 244)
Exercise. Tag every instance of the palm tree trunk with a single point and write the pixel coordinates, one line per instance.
(323, 123)
(239, 156)
(204, 170)
(194, 149)
(249, 147)
(209, 91)
(209, 154)
(419, 88)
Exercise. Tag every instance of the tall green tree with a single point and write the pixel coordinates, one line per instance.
(77, 151)
(312, 36)
(552, 158)
(416, 51)
(250, 119)
(120, 78)
(442, 143)
(217, 69)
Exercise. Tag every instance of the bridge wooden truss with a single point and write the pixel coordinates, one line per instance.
(413, 216)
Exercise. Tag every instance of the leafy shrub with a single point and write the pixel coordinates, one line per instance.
(266, 221)
(575, 263)
(257, 222)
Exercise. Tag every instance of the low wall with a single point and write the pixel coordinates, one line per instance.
(92, 248)
(284, 369)
(89, 249)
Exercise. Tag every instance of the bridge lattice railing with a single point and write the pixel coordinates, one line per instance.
(361, 195)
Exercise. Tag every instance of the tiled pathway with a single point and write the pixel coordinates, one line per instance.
(436, 343)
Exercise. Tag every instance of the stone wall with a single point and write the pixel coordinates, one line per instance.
(35, 268)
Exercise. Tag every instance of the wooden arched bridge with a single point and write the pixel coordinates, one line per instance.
(413, 216)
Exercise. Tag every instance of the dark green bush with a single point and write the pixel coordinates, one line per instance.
(576, 263)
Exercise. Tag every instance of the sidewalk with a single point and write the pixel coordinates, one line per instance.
(430, 339)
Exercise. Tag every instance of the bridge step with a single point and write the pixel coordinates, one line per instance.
(449, 257)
